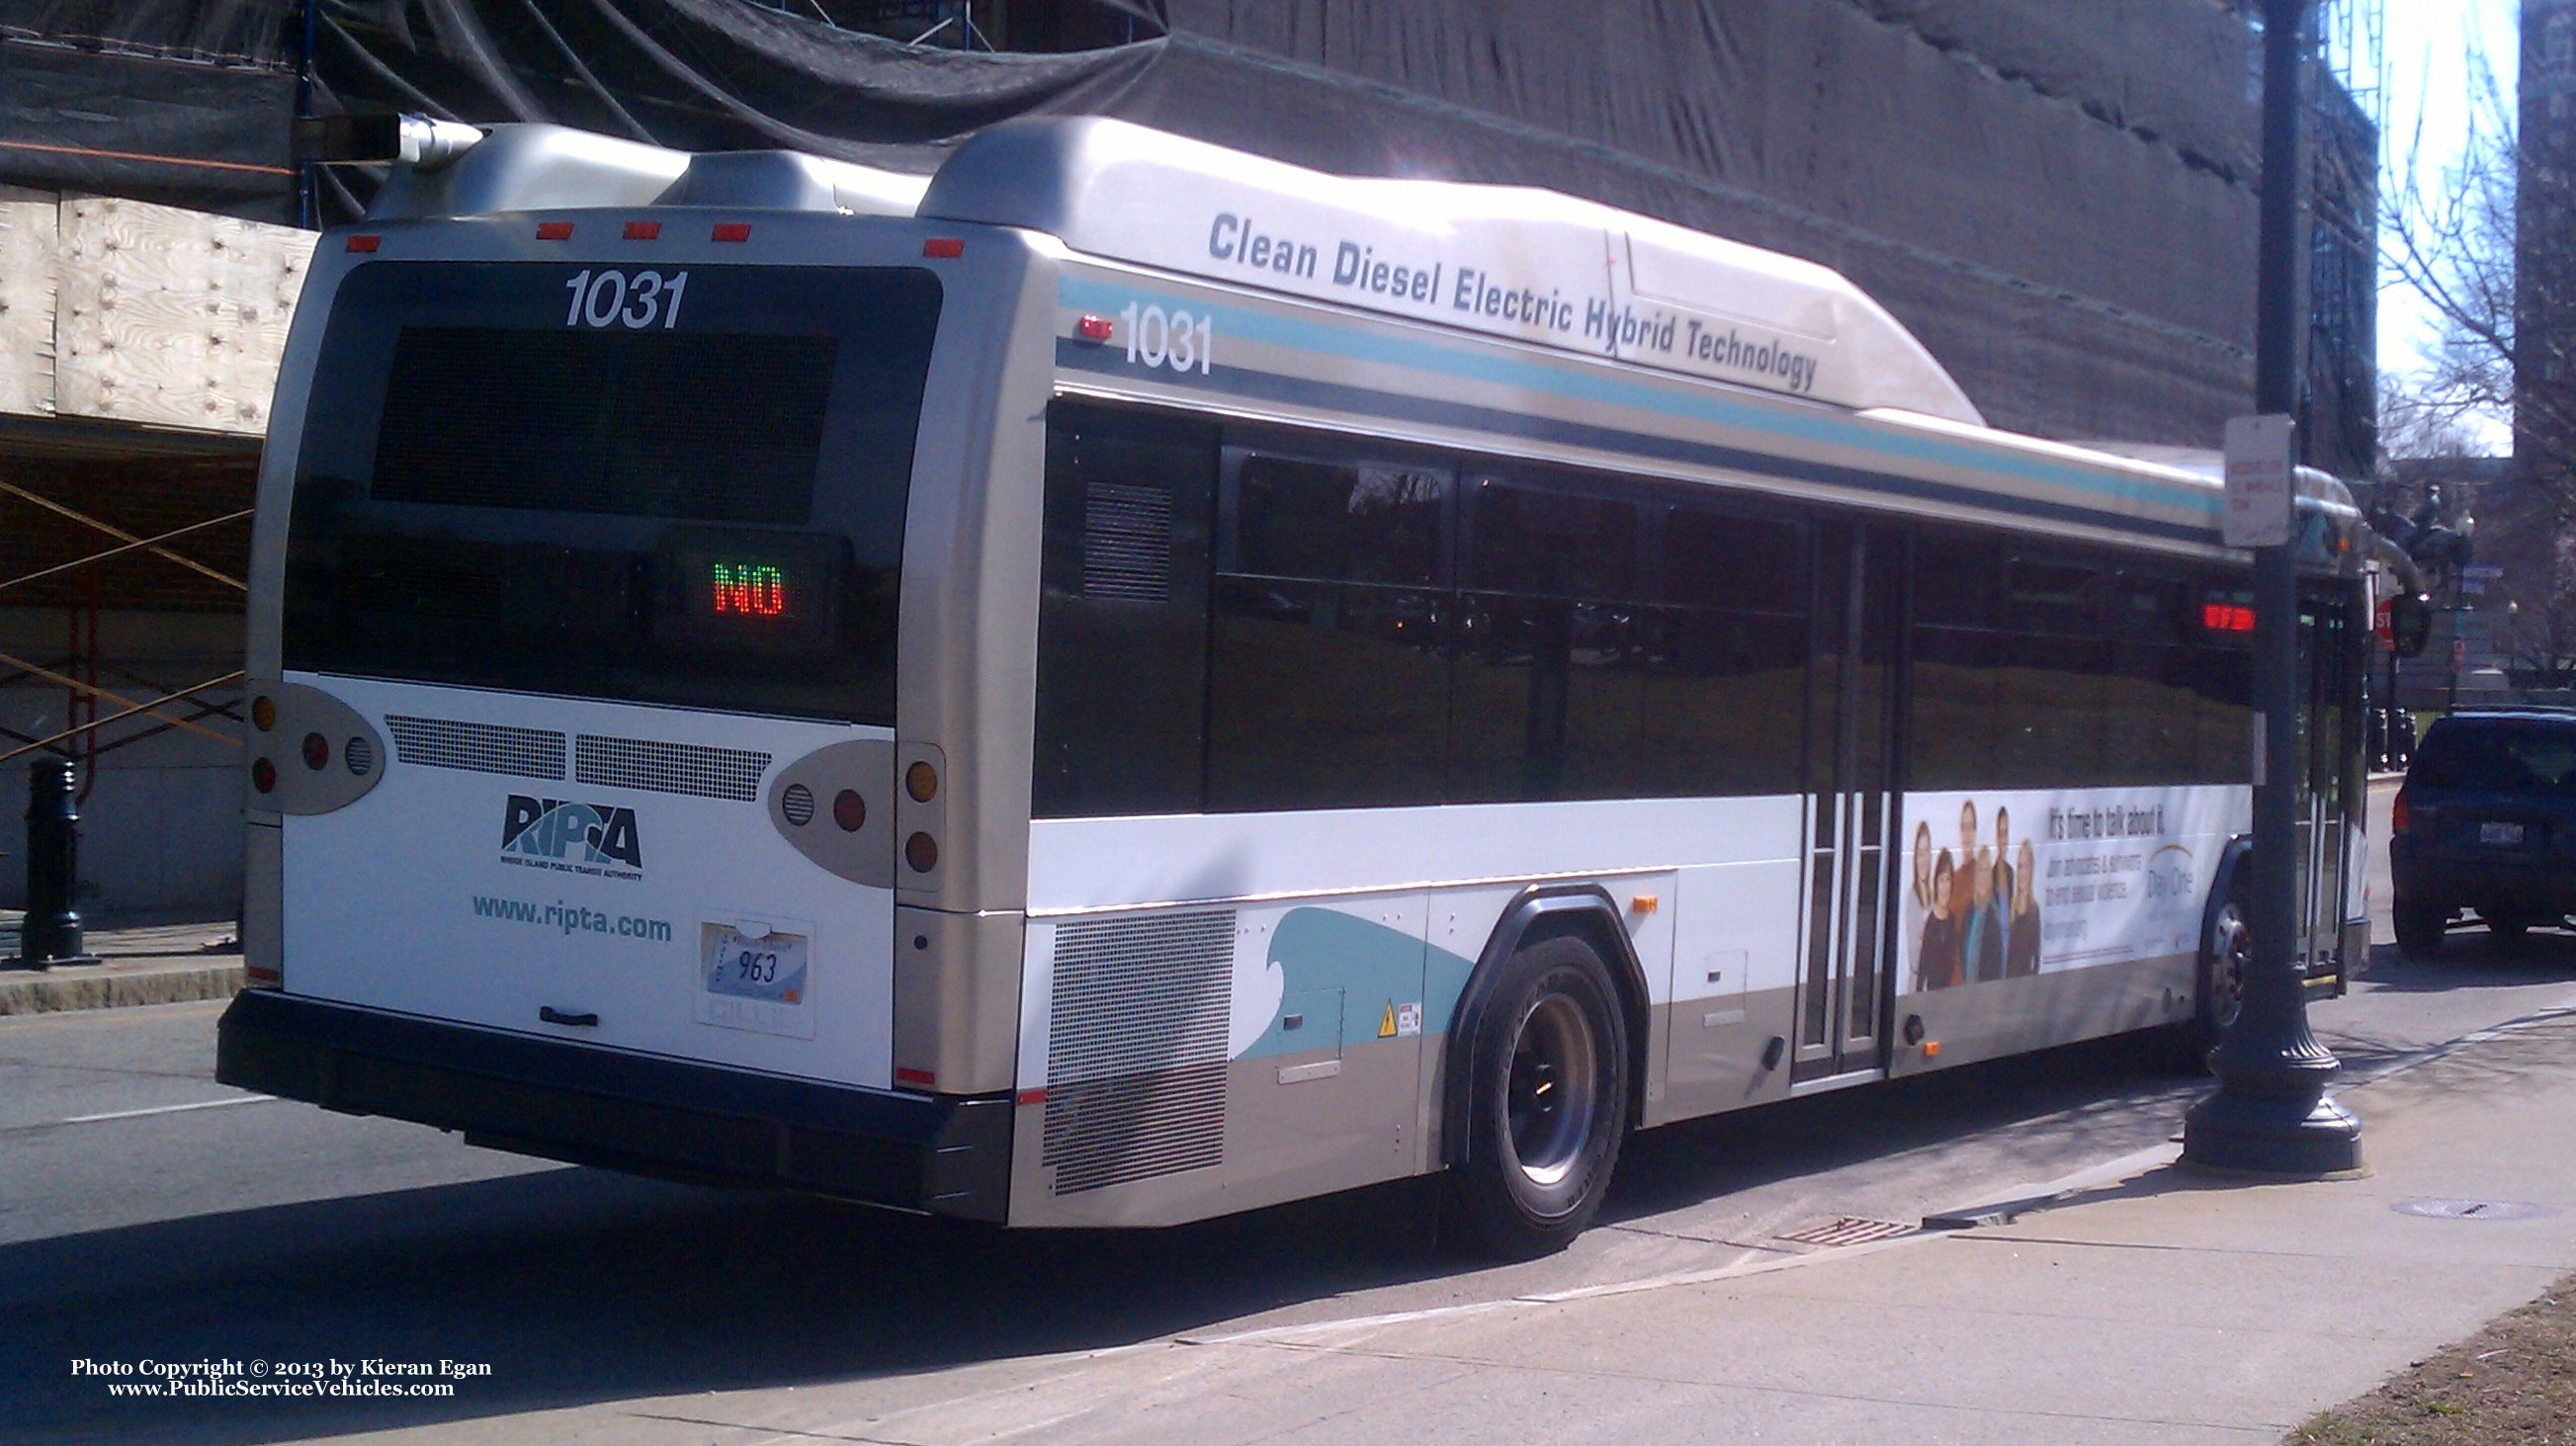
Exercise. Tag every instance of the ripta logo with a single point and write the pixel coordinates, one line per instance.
(551, 828)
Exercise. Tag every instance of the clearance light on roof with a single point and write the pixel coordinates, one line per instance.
(944, 248)
(731, 231)
(364, 244)
(643, 230)
(554, 230)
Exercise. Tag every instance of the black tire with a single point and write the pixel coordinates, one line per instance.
(2420, 927)
(2225, 954)
(2226, 948)
(1547, 1102)
(2510, 930)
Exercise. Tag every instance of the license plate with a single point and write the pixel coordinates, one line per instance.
(756, 981)
(2503, 835)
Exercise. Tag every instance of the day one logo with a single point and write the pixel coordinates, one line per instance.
(554, 828)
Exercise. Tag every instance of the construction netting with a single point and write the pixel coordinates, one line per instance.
(2059, 199)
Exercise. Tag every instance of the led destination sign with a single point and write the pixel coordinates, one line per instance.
(756, 587)
(748, 589)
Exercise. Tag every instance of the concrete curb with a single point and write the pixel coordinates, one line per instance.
(115, 985)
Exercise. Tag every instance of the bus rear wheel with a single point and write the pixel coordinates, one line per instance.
(1547, 1102)
(2225, 954)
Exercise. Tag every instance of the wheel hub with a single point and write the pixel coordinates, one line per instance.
(1548, 1103)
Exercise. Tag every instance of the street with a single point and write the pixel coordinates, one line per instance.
(147, 1213)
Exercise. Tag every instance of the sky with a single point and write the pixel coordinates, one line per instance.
(2427, 49)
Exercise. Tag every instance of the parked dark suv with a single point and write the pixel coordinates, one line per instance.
(2486, 821)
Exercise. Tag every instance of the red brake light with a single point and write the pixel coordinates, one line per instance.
(554, 230)
(2397, 813)
(943, 248)
(643, 230)
(731, 231)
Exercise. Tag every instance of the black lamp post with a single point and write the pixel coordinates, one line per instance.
(2270, 1114)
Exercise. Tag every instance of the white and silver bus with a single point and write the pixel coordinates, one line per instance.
(1129, 681)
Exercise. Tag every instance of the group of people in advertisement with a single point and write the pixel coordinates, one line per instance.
(1976, 909)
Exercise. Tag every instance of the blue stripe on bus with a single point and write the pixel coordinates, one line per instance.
(1443, 359)
(1071, 355)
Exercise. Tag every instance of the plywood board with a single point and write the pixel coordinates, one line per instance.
(27, 243)
(172, 318)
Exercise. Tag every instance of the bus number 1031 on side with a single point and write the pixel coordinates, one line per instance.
(1176, 339)
(615, 298)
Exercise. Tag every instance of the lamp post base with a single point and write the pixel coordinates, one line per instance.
(2290, 1136)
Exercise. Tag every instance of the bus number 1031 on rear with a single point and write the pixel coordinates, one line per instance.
(635, 300)
(1175, 339)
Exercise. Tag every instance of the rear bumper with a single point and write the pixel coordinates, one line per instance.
(950, 1156)
(2487, 885)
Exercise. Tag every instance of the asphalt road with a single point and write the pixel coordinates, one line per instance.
(146, 1212)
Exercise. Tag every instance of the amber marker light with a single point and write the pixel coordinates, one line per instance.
(922, 782)
(1643, 903)
(263, 712)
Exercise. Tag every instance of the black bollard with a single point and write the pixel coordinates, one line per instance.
(51, 932)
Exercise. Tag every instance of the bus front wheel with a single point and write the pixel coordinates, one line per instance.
(1547, 1101)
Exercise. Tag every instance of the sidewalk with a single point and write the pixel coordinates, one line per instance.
(142, 964)
(2149, 1305)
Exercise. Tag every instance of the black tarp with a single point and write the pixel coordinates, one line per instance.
(187, 102)
(2059, 199)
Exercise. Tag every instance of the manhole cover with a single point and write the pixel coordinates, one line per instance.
(1848, 1230)
(2472, 1209)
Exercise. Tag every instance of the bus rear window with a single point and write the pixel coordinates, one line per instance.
(706, 511)
(721, 428)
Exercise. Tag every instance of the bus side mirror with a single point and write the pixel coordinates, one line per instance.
(2410, 623)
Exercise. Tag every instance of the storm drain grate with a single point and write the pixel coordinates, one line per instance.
(2471, 1209)
(1847, 1230)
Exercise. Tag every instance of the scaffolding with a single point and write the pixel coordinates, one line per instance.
(84, 673)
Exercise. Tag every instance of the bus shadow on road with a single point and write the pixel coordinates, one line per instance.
(579, 1287)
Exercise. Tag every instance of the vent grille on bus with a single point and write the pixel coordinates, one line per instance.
(1136, 1064)
(1127, 543)
(477, 747)
(731, 773)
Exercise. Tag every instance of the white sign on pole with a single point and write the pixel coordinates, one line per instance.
(2260, 482)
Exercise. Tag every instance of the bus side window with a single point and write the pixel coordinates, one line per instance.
(1327, 675)
(1122, 618)
(1548, 687)
(1725, 654)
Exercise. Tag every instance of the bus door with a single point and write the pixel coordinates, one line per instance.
(1851, 803)
(2326, 678)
